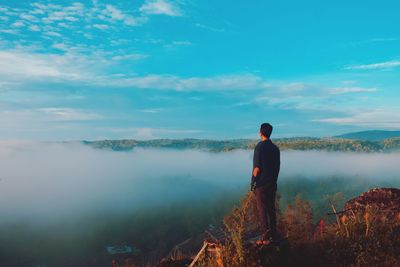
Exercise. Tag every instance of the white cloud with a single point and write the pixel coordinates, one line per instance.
(291, 102)
(209, 28)
(160, 7)
(152, 110)
(55, 13)
(26, 116)
(116, 14)
(183, 43)
(371, 41)
(131, 21)
(28, 17)
(73, 66)
(17, 24)
(129, 57)
(9, 31)
(313, 97)
(293, 87)
(377, 40)
(349, 82)
(346, 90)
(22, 64)
(146, 133)
(60, 46)
(225, 82)
(15, 64)
(381, 65)
(69, 114)
(51, 33)
(25, 65)
(44, 122)
(101, 26)
(34, 28)
(377, 118)
(50, 17)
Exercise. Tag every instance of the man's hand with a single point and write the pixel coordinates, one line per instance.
(256, 171)
(253, 184)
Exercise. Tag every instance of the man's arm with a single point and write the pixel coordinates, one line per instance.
(256, 161)
(256, 167)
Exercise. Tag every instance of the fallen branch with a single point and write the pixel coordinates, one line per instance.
(199, 254)
(338, 212)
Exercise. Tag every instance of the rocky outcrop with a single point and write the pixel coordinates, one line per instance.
(385, 200)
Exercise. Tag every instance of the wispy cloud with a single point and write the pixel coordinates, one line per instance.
(17, 64)
(171, 82)
(174, 44)
(372, 41)
(9, 31)
(74, 64)
(152, 133)
(101, 26)
(116, 14)
(184, 43)
(18, 24)
(348, 90)
(381, 65)
(161, 7)
(376, 118)
(295, 102)
(133, 56)
(152, 110)
(27, 65)
(302, 96)
(69, 114)
(24, 64)
(209, 28)
(378, 40)
(39, 122)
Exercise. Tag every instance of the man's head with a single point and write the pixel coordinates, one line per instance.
(265, 130)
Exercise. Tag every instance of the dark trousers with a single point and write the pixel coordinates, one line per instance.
(265, 198)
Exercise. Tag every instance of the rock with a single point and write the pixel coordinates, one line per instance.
(386, 200)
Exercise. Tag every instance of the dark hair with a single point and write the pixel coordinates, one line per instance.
(266, 129)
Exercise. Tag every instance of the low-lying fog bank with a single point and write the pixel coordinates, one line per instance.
(78, 199)
(40, 180)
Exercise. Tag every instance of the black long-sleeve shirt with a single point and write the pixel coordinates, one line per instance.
(267, 159)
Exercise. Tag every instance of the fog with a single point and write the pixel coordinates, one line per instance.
(379, 166)
(51, 181)
(72, 198)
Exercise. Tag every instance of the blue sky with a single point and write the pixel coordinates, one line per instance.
(204, 69)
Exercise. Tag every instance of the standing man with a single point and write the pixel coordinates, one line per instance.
(266, 166)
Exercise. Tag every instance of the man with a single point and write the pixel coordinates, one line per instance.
(266, 166)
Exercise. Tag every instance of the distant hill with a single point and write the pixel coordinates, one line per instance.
(301, 143)
(375, 135)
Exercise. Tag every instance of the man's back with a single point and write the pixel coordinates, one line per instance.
(267, 159)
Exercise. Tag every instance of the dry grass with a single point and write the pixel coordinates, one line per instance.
(367, 238)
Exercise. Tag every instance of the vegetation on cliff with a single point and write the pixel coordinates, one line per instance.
(358, 237)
